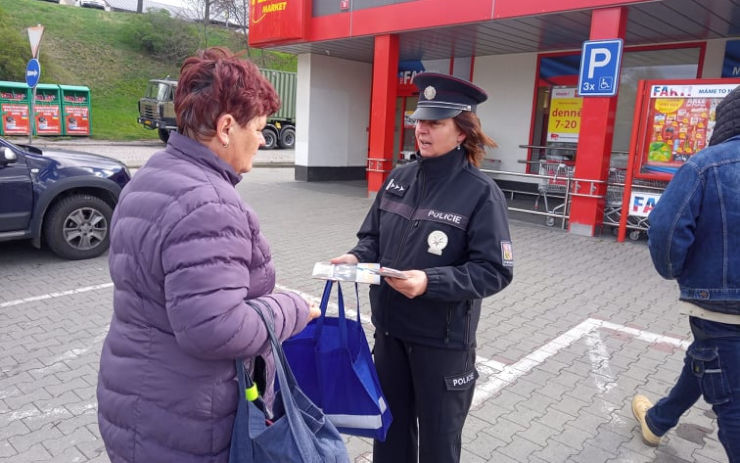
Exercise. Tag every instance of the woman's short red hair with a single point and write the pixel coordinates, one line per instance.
(216, 82)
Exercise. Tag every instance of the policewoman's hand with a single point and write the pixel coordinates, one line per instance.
(414, 285)
(345, 259)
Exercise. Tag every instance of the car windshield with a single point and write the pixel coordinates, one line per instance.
(4, 142)
(158, 91)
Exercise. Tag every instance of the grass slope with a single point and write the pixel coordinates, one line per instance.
(83, 46)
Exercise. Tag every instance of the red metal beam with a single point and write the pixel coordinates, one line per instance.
(382, 111)
(596, 134)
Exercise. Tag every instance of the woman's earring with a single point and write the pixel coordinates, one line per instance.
(226, 145)
(458, 146)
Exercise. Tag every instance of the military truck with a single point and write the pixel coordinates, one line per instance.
(157, 109)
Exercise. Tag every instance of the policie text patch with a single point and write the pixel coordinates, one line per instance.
(462, 381)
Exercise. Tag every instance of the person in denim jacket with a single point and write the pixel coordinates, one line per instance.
(694, 239)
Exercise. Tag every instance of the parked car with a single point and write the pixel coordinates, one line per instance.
(99, 4)
(64, 199)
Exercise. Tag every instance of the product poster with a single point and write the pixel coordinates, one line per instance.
(564, 119)
(680, 121)
(76, 120)
(15, 119)
(48, 121)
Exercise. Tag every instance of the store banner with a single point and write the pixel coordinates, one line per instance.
(642, 204)
(731, 64)
(77, 120)
(564, 119)
(15, 119)
(277, 21)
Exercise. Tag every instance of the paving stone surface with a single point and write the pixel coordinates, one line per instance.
(558, 365)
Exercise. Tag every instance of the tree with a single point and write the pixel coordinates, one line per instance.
(236, 11)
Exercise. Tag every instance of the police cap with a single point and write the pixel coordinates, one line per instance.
(442, 96)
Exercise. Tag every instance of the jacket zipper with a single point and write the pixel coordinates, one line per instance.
(468, 317)
(410, 225)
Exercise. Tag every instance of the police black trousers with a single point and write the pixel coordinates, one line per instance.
(429, 391)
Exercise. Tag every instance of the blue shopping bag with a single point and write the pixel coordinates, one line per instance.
(298, 432)
(332, 363)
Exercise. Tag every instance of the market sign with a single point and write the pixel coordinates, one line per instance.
(564, 119)
(731, 63)
(642, 204)
(277, 21)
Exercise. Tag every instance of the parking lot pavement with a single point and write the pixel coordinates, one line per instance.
(585, 324)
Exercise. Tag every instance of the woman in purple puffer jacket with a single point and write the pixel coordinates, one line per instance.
(185, 252)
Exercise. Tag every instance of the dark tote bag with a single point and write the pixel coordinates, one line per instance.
(297, 431)
(333, 365)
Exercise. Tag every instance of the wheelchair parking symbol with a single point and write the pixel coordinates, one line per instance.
(600, 66)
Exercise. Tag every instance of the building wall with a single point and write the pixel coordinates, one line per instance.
(333, 106)
(506, 115)
(713, 59)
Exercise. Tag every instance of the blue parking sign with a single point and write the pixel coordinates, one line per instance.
(600, 65)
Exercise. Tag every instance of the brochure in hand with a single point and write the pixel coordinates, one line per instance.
(368, 273)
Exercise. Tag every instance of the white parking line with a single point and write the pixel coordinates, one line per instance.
(53, 295)
(511, 373)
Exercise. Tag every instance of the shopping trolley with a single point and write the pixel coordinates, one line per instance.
(613, 205)
(614, 193)
(555, 183)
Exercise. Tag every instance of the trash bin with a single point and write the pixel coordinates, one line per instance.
(76, 110)
(15, 99)
(47, 110)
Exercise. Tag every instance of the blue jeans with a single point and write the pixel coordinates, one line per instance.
(712, 369)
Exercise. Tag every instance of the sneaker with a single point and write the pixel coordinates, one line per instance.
(640, 406)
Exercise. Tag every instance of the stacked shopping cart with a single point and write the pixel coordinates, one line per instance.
(636, 224)
(554, 183)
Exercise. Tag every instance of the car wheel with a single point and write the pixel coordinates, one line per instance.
(271, 138)
(287, 138)
(164, 134)
(78, 227)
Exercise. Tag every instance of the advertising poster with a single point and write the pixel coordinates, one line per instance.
(76, 120)
(680, 122)
(564, 120)
(48, 121)
(15, 119)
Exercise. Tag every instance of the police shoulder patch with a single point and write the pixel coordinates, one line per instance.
(507, 254)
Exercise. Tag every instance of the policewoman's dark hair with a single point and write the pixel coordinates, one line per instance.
(475, 140)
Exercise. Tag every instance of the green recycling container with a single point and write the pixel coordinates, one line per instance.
(47, 110)
(76, 110)
(15, 100)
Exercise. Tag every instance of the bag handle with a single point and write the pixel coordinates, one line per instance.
(287, 383)
(342, 315)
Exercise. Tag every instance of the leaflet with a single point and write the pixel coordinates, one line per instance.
(368, 273)
(361, 273)
(390, 272)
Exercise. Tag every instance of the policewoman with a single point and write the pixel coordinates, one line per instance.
(444, 224)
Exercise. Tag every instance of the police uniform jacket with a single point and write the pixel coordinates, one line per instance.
(443, 216)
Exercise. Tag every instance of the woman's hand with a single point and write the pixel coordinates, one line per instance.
(345, 259)
(314, 311)
(414, 285)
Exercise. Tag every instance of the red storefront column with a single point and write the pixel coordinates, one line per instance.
(382, 111)
(595, 137)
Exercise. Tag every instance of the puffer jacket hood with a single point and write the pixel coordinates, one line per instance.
(185, 253)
